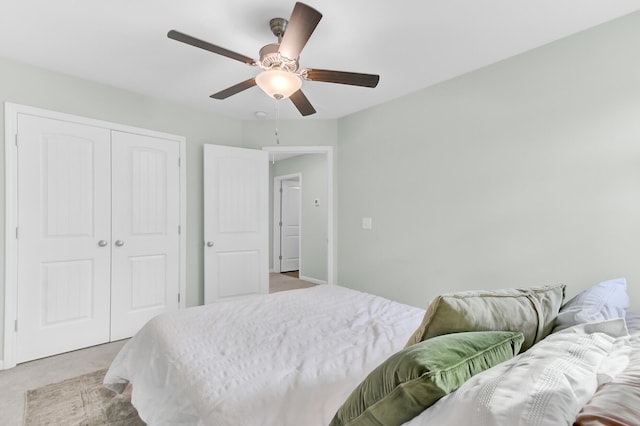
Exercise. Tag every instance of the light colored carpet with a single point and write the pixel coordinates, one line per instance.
(80, 401)
(282, 282)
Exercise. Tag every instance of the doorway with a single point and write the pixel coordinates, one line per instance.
(316, 204)
(261, 218)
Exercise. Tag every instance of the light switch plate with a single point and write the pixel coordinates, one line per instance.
(367, 223)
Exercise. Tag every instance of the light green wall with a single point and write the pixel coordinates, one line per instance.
(313, 169)
(28, 85)
(526, 172)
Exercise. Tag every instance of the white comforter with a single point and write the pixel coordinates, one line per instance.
(288, 358)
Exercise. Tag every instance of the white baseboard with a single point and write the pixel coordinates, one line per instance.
(311, 280)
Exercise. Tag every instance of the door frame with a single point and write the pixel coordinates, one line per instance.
(277, 197)
(11, 142)
(331, 213)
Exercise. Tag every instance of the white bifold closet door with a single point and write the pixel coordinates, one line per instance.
(97, 236)
(144, 230)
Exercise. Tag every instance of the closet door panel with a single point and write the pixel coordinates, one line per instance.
(145, 219)
(64, 193)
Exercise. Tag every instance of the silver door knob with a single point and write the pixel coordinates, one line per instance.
(119, 243)
(209, 243)
(102, 243)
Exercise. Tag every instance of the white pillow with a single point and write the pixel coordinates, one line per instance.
(604, 301)
(545, 386)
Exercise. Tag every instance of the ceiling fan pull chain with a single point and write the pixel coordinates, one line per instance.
(277, 121)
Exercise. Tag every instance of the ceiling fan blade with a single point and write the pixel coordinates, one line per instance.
(303, 21)
(302, 103)
(342, 77)
(224, 94)
(184, 38)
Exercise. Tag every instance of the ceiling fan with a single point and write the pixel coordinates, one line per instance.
(279, 61)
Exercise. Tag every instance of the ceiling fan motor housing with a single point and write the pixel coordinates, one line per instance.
(270, 58)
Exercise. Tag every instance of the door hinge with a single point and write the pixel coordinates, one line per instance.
(281, 190)
(16, 139)
(280, 224)
(279, 257)
(179, 229)
(178, 297)
(179, 162)
(17, 232)
(15, 326)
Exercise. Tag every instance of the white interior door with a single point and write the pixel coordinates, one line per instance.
(236, 233)
(145, 220)
(64, 198)
(290, 225)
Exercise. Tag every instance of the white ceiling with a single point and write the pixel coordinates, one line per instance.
(412, 44)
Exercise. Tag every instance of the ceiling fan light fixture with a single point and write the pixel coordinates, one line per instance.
(278, 84)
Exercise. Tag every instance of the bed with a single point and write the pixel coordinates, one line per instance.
(330, 355)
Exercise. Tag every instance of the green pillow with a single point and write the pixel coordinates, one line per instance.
(532, 311)
(416, 377)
